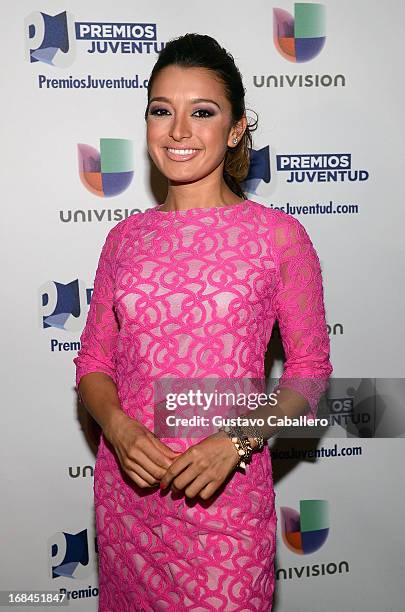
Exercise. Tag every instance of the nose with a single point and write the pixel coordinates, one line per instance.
(180, 126)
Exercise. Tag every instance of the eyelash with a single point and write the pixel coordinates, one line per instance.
(154, 112)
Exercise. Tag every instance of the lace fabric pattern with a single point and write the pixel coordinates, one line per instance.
(195, 294)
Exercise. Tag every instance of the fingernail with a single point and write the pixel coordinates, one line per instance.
(162, 485)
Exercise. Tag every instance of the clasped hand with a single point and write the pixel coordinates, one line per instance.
(203, 467)
(200, 470)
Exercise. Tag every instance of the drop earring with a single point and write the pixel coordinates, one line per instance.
(235, 141)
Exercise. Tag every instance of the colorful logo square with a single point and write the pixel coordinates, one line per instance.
(301, 37)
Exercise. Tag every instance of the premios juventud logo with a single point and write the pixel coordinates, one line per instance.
(53, 39)
(64, 306)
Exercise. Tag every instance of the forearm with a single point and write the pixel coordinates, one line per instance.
(100, 397)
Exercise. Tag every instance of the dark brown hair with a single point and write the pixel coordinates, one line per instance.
(202, 51)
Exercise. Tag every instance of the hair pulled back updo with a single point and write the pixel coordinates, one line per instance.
(202, 51)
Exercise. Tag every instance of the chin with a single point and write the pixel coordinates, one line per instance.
(181, 177)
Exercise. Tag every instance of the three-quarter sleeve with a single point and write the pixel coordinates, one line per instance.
(99, 337)
(299, 307)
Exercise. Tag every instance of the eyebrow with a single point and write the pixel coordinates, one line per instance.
(193, 101)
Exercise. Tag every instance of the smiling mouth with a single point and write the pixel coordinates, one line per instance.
(181, 155)
(181, 151)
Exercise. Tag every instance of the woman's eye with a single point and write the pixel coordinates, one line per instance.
(201, 113)
(206, 113)
(158, 111)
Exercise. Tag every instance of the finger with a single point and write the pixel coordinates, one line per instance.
(195, 487)
(136, 476)
(155, 451)
(138, 457)
(185, 477)
(176, 467)
(209, 489)
(155, 470)
(144, 473)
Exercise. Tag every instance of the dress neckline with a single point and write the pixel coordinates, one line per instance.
(199, 210)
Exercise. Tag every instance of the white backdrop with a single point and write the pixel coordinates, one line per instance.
(47, 518)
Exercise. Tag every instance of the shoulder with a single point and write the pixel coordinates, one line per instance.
(126, 224)
(119, 235)
(282, 227)
(123, 227)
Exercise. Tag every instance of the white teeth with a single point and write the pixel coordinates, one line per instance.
(182, 151)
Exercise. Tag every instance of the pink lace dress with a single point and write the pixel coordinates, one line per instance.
(195, 293)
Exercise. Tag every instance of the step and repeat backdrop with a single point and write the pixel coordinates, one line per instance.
(326, 81)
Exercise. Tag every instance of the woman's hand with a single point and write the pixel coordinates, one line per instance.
(141, 454)
(203, 467)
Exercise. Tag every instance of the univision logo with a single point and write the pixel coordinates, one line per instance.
(305, 531)
(301, 37)
(108, 172)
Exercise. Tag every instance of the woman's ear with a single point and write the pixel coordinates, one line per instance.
(237, 131)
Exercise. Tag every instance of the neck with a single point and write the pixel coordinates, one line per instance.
(204, 193)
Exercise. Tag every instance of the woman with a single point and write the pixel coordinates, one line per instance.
(191, 289)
